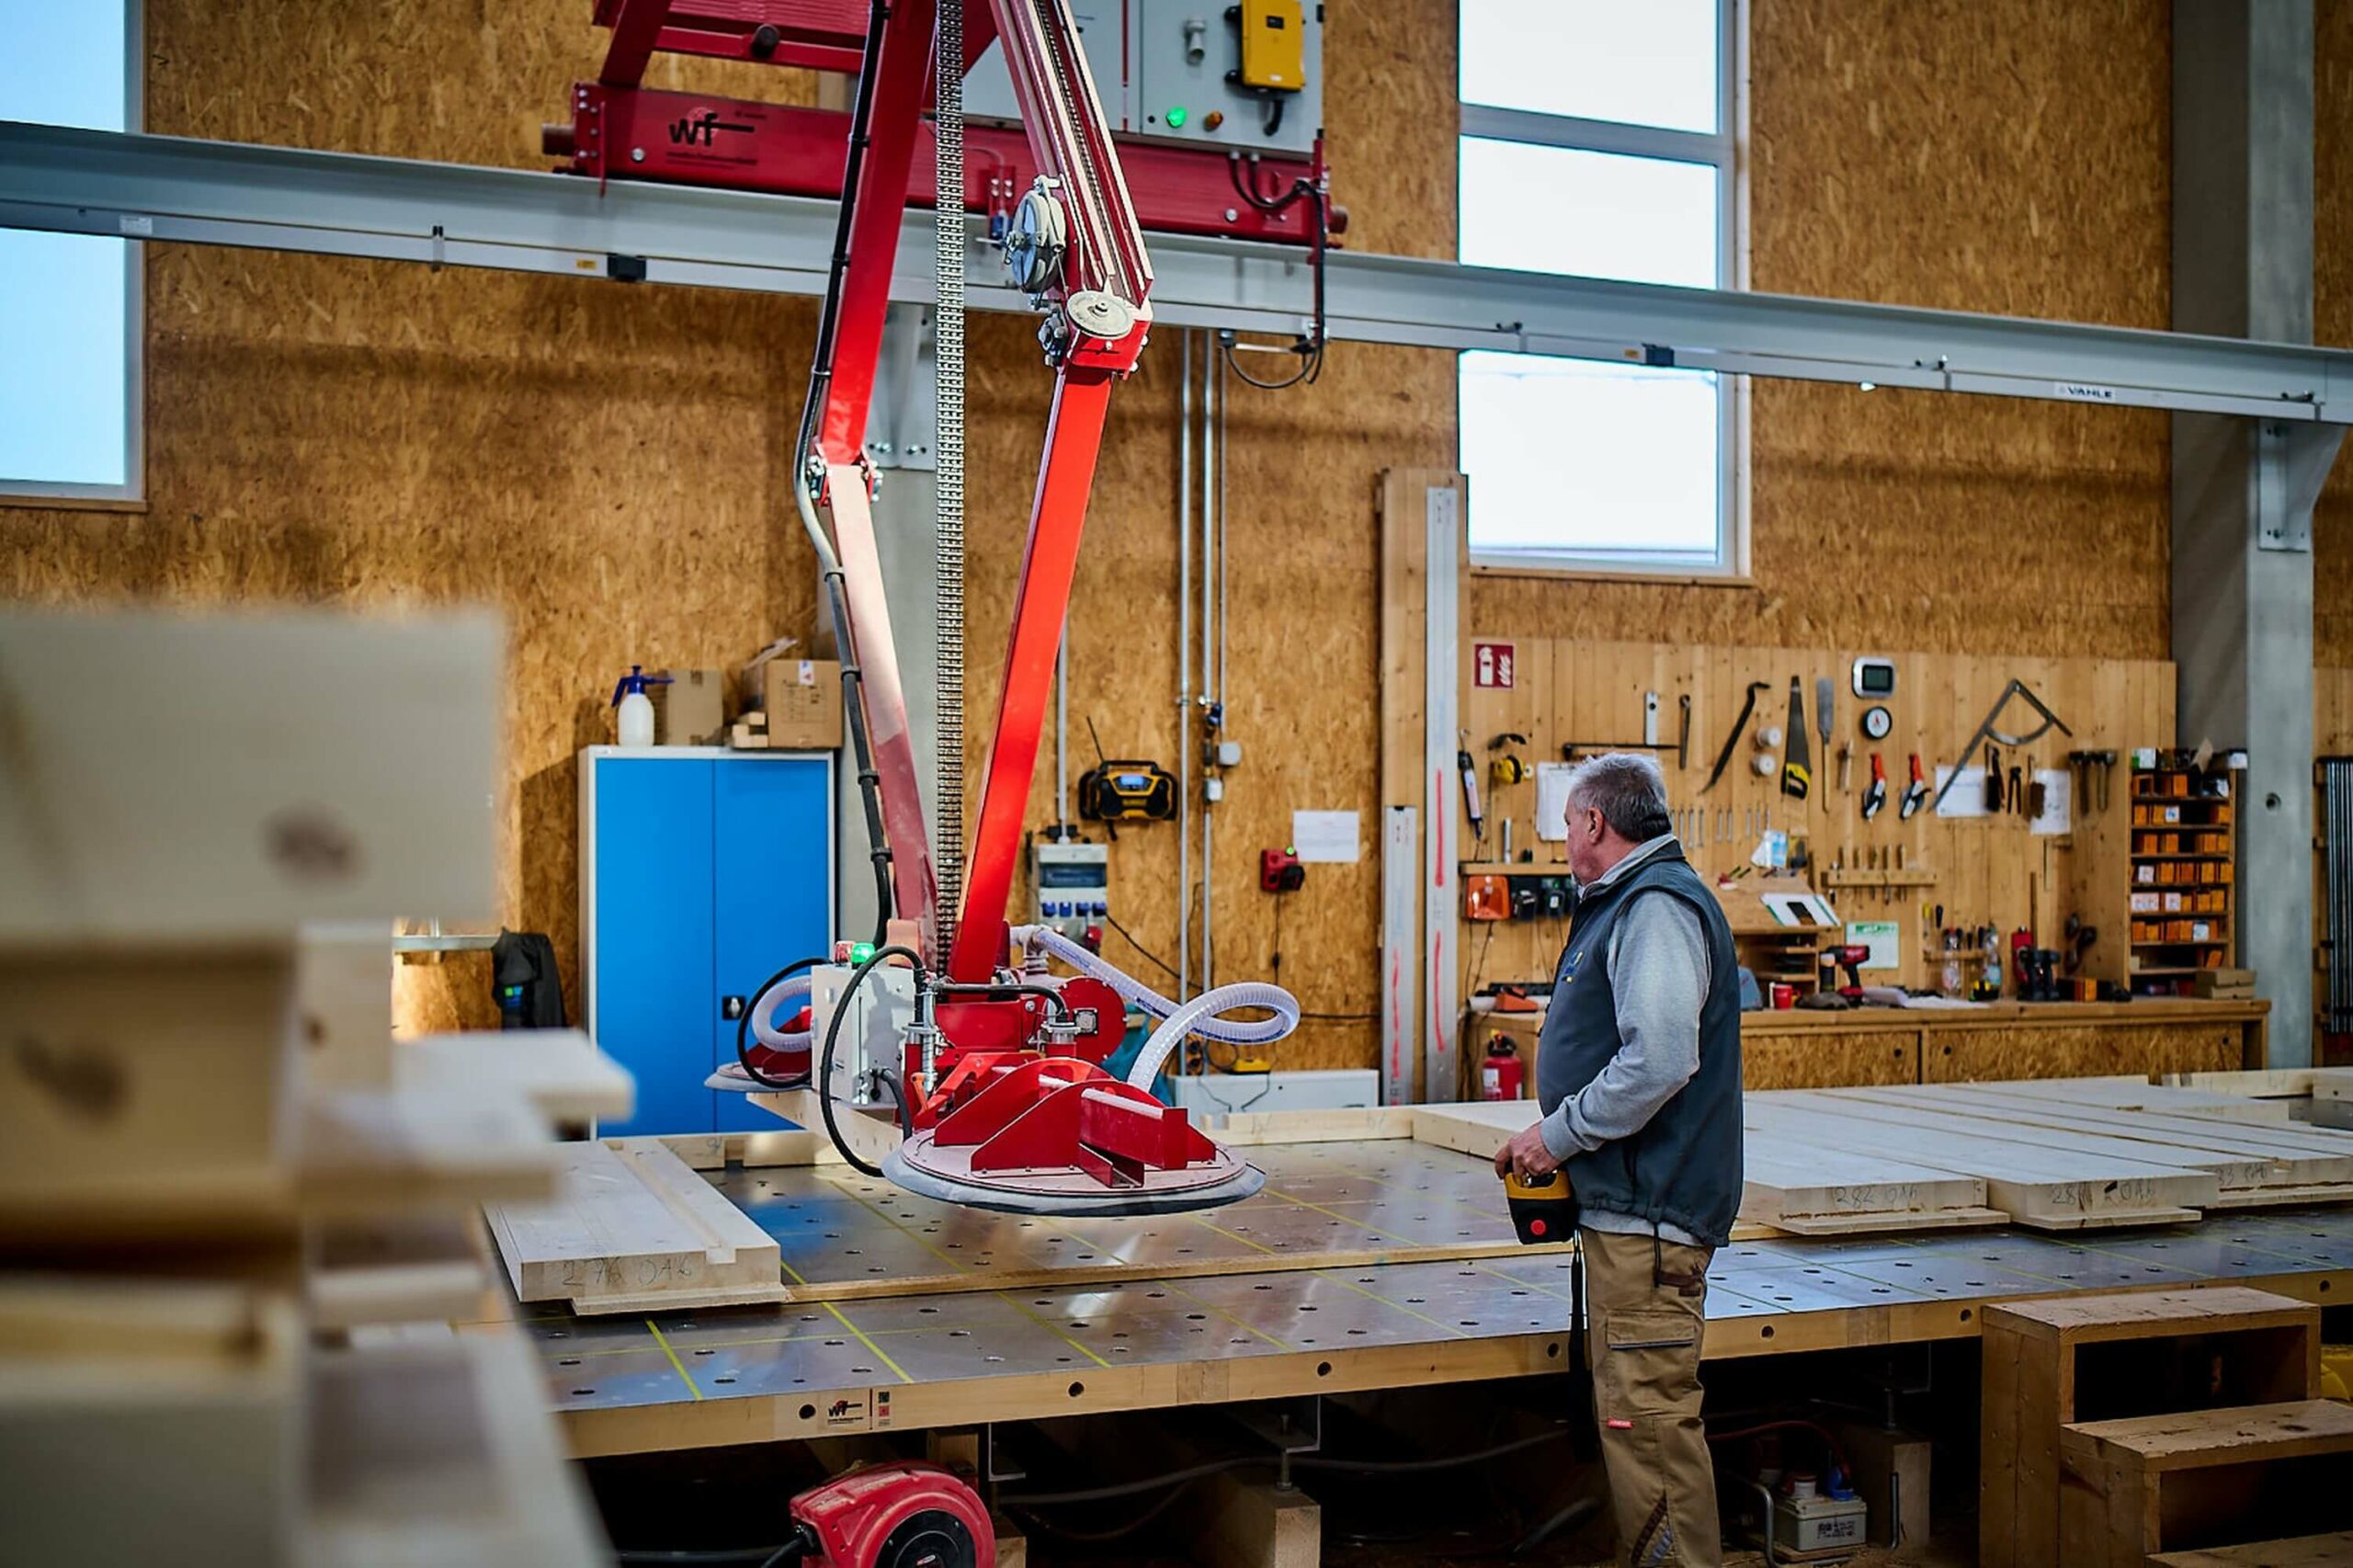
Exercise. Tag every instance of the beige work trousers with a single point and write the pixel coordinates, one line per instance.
(1645, 1341)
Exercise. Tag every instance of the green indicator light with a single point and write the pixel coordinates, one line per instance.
(1176, 117)
(861, 951)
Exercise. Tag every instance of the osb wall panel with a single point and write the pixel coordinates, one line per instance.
(2086, 1051)
(2007, 157)
(1779, 1061)
(2333, 317)
(2332, 712)
(603, 464)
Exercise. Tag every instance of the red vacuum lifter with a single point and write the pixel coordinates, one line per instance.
(1004, 1101)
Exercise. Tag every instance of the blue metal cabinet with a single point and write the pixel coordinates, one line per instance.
(702, 870)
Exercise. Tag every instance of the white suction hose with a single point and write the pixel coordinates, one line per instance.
(787, 993)
(1254, 1031)
(1199, 1016)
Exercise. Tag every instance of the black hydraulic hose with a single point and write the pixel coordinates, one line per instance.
(862, 125)
(744, 1024)
(1299, 1461)
(820, 377)
(824, 1078)
(1309, 349)
(1053, 997)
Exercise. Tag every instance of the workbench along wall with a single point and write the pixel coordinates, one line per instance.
(1987, 871)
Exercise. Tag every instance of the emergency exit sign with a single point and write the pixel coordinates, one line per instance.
(1491, 665)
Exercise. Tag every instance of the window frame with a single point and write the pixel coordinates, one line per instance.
(1726, 150)
(131, 496)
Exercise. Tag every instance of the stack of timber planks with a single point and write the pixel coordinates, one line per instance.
(2057, 1154)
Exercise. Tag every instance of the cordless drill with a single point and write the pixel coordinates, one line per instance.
(1848, 958)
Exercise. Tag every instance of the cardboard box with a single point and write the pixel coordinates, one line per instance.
(692, 710)
(802, 698)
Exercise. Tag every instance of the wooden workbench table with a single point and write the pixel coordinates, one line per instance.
(1802, 1048)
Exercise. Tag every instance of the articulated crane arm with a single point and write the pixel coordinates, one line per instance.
(1075, 249)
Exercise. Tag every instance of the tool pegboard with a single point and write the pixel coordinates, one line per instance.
(1995, 867)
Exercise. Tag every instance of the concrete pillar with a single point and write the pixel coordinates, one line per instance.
(2242, 489)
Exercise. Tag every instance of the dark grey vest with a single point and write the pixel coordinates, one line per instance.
(1684, 1169)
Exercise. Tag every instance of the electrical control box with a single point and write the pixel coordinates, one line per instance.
(872, 1036)
(1269, 35)
(1247, 76)
(1102, 33)
(1073, 885)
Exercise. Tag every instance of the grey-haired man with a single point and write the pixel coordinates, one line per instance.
(1638, 1075)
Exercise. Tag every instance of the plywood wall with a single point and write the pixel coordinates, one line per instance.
(602, 462)
(2332, 710)
(2333, 315)
(1987, 871)
(598, 460)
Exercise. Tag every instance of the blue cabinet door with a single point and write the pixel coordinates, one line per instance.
(651, 963)
(772, 889)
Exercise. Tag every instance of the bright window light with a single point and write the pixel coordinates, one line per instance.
(1635, 62)
(1576, 458)
(1616, 160)
(68, 302)
(1594, 214)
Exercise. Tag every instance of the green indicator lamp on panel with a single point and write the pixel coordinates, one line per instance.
(1176, 117)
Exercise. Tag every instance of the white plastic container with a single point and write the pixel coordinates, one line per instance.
(636, 722)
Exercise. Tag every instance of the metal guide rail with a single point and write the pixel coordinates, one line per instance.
(694, 1379)
(448, 215)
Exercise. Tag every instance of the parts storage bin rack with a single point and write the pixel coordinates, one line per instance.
(2185, 861)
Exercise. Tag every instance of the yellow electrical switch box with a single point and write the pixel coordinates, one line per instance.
(1274, 49)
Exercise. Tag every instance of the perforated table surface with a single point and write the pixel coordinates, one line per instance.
(976, 1354)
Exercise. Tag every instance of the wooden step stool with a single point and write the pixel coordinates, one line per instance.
(2093, 1357)
(2135, 1487)
(2304, 1552)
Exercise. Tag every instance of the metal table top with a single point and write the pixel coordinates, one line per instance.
(1132, 1342)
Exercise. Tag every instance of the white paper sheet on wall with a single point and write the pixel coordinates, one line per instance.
(1968, 797)
(1327, 837)
(2058, 804)
(1552, 802)
(1884, 937)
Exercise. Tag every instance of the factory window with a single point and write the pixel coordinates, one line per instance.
(70, 304)
(1599, 140)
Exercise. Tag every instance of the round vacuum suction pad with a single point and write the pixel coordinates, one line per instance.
(929, 1171)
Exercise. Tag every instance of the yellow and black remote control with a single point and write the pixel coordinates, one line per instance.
(1542, 1211)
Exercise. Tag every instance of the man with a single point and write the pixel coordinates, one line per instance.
(1638, 1075)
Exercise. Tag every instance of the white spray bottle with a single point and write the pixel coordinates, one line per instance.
(637, 708)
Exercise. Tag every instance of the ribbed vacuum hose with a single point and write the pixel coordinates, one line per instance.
(788, 997)
(1252, 1031)
(1199, 1016)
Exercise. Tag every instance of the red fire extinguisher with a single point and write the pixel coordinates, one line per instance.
(1499, 1075)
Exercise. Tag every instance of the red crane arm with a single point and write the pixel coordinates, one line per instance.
(1096, 291)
